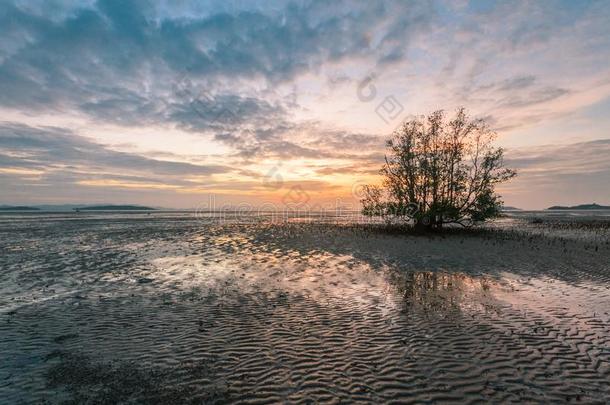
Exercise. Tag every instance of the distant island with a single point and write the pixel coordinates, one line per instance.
(18, 208)
(114, 208)
(75, 207)
(580, 207)
(509, 208)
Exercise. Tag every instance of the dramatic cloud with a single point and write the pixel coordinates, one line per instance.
(195, 97)
(123, 61)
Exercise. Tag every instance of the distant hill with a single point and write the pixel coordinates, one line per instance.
(58, 207)
(114, 208)
(76, 207)
(509, 208)
(580, 207)
(17, 208)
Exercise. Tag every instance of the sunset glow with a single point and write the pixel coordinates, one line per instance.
(166, 104)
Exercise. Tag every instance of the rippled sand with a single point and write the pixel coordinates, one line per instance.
(180, 309)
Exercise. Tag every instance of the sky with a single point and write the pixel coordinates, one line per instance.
(195, 104)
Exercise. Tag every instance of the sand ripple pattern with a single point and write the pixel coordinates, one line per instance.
(185, 310)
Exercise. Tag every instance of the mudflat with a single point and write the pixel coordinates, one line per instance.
(176, 308)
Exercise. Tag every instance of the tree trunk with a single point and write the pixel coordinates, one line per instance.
(423, 224)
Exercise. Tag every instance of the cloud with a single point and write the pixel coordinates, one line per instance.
(55, 150)
(276, 81)
(118, 61)
(517, 83)
(52, 160)
(577, 158)
(524, 62)
(369, 170)
(535, 97)
(560, 174)
(309, 139)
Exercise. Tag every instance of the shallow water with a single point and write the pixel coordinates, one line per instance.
(173, 307)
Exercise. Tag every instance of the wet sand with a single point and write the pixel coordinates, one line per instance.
(184, 309)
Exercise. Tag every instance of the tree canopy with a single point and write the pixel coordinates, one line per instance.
(439, 171)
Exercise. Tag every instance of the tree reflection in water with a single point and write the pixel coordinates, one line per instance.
(429, 291)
